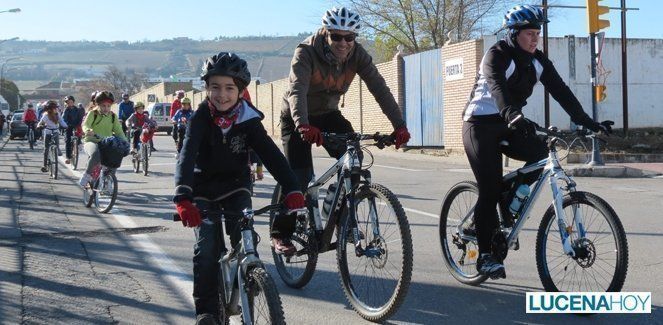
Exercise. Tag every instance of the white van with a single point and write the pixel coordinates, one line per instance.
(160, 112)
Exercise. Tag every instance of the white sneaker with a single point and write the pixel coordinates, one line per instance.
(85, 179)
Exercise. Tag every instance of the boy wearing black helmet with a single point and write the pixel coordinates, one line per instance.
(74, 119)
(212, 172)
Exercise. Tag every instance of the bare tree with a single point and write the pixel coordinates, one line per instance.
(118, 82)
(421, 25)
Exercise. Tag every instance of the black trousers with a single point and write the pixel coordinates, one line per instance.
(481, 138)
(298, 152)
(67, 138)
(209, 247)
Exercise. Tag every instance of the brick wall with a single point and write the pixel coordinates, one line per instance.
(456, 92)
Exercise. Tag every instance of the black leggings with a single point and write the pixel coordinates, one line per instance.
(481, 138)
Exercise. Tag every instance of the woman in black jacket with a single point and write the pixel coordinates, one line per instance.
(212, 173)
(508, 73)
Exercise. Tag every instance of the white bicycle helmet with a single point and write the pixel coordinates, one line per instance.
(341, 19)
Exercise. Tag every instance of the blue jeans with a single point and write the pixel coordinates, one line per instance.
(210, 247)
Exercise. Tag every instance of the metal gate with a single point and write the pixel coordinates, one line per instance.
(424, 98)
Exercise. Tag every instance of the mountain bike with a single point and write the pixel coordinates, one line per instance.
(101, 189)
(580, 245)
(75, 149)
(373, 241)
(142, 156)
(244, 284)
(52, 156)
(31, 136)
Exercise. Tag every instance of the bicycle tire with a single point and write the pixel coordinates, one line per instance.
(304, 237)
(53, 152)
(74, 153)
(31, 139)
(144, 148)
(136, 163)
(89, 194)
(258, 281)
(454, 268)
(380, 311)
(618, 234)
(112, 198)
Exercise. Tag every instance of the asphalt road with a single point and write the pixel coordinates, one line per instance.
(144, 202)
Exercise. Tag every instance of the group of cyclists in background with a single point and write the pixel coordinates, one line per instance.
(219, 141)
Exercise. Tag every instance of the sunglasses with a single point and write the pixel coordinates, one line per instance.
(338, 37)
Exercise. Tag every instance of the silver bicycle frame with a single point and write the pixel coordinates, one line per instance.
(555, 173)
(234, 267)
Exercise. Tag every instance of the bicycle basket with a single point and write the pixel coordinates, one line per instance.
(112, 150)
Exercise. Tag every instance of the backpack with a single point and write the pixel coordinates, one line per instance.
(95, 113)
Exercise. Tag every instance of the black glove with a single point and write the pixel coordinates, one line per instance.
(604, 127)
(522, 124)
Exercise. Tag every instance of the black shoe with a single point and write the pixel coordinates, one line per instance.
(154, 149)
(44, 169)
(488, 265)
(206, 319)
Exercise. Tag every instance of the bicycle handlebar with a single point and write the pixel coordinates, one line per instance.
(381, 140)
(247, 212)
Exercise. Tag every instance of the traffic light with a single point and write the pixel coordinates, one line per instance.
(600, 93)
(594, 23)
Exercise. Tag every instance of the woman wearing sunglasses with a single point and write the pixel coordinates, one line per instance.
(322, 70)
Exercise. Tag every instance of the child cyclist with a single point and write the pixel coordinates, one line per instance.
(99, 121)
(212, 173)
(51, 121)
(180, 120)
(135, 123)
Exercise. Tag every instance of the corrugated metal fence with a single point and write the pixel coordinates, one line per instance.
(424, 98)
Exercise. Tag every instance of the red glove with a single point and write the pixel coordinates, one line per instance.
(189, 214)
(402, 136)
(294, 201)
(310, 134)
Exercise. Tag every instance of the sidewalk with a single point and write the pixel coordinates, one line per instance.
(64, 263)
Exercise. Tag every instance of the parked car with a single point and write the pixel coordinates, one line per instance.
(160, 112)
(16, 127)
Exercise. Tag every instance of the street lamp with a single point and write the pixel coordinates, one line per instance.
(2, 70)
(12, 10)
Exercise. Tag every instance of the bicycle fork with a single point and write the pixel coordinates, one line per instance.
(565, 230)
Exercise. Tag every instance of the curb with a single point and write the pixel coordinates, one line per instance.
(611, 171)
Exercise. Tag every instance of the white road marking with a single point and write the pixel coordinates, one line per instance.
(173, 274)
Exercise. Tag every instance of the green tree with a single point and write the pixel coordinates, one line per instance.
(9, 92)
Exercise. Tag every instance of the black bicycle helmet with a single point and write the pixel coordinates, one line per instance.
(104, 96)
(227, 64)
(69, 97)
(51, 104)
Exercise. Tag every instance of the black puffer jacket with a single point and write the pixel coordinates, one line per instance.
(212, 164)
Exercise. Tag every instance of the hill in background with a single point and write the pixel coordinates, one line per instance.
(268, 57)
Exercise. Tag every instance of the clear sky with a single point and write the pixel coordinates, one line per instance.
(134, 20)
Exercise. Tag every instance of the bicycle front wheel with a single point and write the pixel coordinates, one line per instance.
(31, 139)
(74, 153)
(106, 193)
(53, 152)
(459, 248)
(601, 256)
(376, 280)
(144, 148)
(264, 300)
(296, 271)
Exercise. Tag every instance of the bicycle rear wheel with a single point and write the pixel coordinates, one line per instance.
(106, 192)
(460, 251)
(296, 271)
(74, 153)
(53, 153)
(376, 282)
(601, 260)
(31, 139)
(89, 194)
(144, 152)
(264, 300)
(136, 163)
